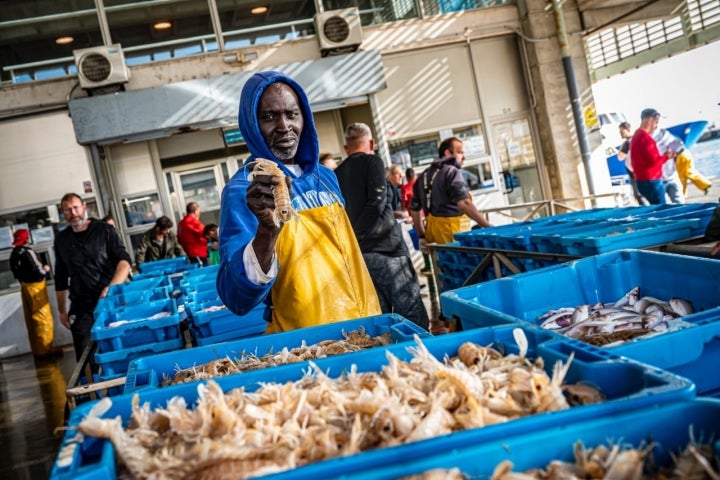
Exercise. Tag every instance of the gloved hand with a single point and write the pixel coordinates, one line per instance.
(261, 198)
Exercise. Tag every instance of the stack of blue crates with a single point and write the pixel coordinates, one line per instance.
(582, 233)
(630, 387)
(209, 321)
(135, 319)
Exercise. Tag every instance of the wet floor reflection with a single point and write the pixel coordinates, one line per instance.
(32, 405)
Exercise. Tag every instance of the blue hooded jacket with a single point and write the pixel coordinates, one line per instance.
(316, 187)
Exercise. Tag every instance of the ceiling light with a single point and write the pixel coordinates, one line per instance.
(258, 10)
(64, 40)
(164, 25)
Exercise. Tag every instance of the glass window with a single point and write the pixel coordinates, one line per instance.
(43, 222)
(35, 39)
(142, 209)
(435, 7)
(373, 12)
(174, 27)
(278, 20)
(416, 151)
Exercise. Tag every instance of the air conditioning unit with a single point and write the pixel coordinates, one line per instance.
(101, 66)
(339, 31)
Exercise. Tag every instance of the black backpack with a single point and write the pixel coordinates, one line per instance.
(23, 266)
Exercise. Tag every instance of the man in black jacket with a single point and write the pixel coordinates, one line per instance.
(363, 184)
(89, 258)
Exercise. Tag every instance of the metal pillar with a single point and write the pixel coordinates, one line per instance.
(573, 92)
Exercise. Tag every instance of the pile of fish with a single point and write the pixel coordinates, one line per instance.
(238, 434)
(630, 317)
(697, 461)
(354, 341)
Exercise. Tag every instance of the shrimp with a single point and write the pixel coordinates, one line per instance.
(284, 210)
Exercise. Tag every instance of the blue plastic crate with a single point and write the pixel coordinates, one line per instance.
(142, 329)
(667, 427)
(221, 322)
(139, 285)
(150, 371)
(640, 234)
(198, 284)
(627, 385)
(699, 211)
(116, 363)
(131, 297)
(194, 298)
(602, 278)
(547, 241)
(246, 330)
(692, 352)
(166, 265)
(610, 235)
(211, 270)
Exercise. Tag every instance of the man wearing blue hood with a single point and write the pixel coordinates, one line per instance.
(309, 269)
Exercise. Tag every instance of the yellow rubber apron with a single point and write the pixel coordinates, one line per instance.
(441, 229)
(38, 316)
(322, 276)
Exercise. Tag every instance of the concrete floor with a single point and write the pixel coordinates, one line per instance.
(32, 406)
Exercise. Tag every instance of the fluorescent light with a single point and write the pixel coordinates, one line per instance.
(64, 40)
(259, 10)
(163, 25)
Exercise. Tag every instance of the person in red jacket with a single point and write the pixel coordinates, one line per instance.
(647, 161)
(190, 235)
(406, 191)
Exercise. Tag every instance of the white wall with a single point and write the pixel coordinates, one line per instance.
(428, 90)
(132, 164)
(40, 161)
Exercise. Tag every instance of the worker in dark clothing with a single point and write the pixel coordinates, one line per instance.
(364, 187)
(89, 258)
(158, 243)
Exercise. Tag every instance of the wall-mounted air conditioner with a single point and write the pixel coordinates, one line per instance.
(339, 31)
(101, 66)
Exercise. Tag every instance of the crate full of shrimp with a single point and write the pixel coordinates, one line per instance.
(666, 441)
(338, 415)
(270, 350)
(136, 325)
(658, 308)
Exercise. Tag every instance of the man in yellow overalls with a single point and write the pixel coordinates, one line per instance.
(442, 194)
(30, 272)
(308, 270)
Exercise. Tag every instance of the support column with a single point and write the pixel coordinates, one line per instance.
(554, 110)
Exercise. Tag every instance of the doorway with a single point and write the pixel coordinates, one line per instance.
(201, 185)
(514, 146)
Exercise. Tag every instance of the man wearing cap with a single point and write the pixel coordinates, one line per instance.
(89, 258)
(30, 272)
(647, 161)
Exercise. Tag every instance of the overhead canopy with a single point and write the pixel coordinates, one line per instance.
(156, 112)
